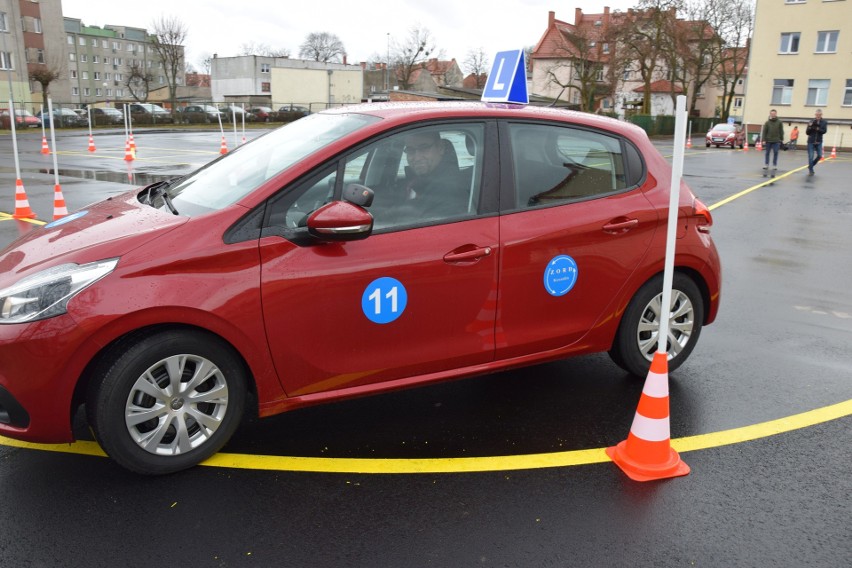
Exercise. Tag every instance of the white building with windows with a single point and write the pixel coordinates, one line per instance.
(800, 61)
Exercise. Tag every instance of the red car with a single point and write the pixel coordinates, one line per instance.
(725, 135)
(325, 260)
(23, 119)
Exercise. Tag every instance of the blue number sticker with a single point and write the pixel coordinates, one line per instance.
(560, 275)
(384, 300)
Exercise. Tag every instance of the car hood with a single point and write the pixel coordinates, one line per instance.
(108, 229)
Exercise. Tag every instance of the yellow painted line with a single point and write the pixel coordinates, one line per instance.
(7, 217)
(478, 464)
(769, 181)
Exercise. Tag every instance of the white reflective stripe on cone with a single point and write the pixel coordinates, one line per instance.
(656, 385)
(650, 429)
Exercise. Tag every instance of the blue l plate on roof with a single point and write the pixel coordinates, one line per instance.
(507, 82)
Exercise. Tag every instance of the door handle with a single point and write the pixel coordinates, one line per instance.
(621, 225)
(467, 255)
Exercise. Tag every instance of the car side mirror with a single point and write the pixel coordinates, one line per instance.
(340, 221)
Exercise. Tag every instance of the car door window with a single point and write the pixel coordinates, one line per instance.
(554, 164)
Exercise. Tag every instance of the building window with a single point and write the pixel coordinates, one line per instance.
(626, 75)
(847, 94)
(72, 57)
(73, 73)
(95, 59)
(782, 92)
(827, 42)
(75, 91)
(94, 42)
(116, 45)
(81, 40)
(6, 60)
(97, 91)
(789, 43)
(265, 87)
(70, 40)
(599, 76)
(84, 58)
(3, 27)
(85, 75)
(37, 26)
(606, 48)
(264, 67)
(738, 102)
(104, 44)
(40, 56)
(86, 91)
(96, 75)
(109, 92)
(818, 92)
(119, 93)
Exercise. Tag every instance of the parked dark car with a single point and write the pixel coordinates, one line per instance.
(192, 114)
(65, 117)
(262, 114)
(107, 115)
(292, 112)
(148, 113)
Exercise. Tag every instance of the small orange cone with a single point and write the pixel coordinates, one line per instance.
(132, 144)
(689, 142)
(224, 147)
(22, 204)
(647, 454)
(45, 149)
(128, 153)
(834, 151)
(759, 145)
(91, 143)
(59, 209)
(745, 144)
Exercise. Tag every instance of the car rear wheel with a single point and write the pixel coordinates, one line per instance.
(637, 337)
(165, 402)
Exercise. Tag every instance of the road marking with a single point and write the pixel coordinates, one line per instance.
(769, 181)
(479, 464)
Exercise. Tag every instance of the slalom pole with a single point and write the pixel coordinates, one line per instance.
(234, 118)
(243, 106)
(22, 204)
(57, 190)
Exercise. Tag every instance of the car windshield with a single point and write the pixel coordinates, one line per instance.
(724, 128)
(231, 177)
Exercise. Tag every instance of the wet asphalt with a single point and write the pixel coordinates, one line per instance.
(779, 348)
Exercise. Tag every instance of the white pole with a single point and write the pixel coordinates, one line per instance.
(234, 118)
(53, 142)
(41, 114)
(243, 106)
(89, 113)
(12, 120)
(126, 131)
(671, 235)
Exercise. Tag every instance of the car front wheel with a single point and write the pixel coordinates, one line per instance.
(165, 402)
(638, 334)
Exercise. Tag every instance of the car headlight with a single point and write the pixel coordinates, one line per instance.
(46, 294)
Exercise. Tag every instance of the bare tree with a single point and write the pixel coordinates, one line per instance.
(644, 36)
(205, 62)
(263, 50)
(409, 55)
(324, 47)
(577, 67)
(44, 76)
(167, 41)
(477, 63)
(138, 81)
(736, 32)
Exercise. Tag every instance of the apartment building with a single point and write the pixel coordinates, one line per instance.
(800, 61)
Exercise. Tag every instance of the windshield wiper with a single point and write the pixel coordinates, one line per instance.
(160, 189)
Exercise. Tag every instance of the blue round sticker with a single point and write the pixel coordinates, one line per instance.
(384, 300)
(560, 275)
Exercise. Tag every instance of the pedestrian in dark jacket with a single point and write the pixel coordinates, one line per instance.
(816, 129)
(772, 137)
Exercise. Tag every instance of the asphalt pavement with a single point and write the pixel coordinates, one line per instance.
(505, 469)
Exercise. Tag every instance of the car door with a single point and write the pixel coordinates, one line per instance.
(417, 297)
(573, 231)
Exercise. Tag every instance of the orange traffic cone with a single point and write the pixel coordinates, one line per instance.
(59, 209)
(689, 142)
(45, 149)
(128, 153)
(91, 143)
(647, 454)
(834, 151)
(745, 144)
(224, 147)
(759, 145)
(132, 144)
(22, 204)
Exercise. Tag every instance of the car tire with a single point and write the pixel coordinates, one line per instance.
(637, 336)
(138, 419)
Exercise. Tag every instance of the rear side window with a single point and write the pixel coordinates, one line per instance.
(558, 164)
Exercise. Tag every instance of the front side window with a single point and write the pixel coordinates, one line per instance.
(789, 43)
(782, 92)
(421, 176)
(827, 42)
(818, 92)
(557, 164)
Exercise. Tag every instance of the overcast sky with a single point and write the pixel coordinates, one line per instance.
(217, 26)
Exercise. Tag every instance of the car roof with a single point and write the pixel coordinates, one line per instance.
(406, 111)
